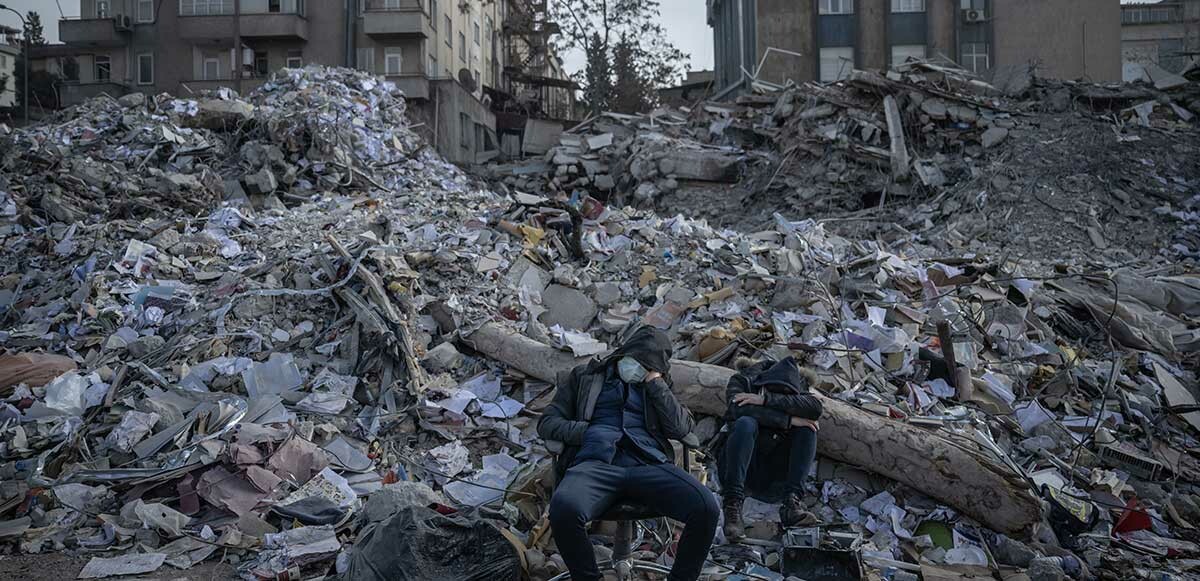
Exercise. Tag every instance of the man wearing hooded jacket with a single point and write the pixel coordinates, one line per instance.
(771, 416)
(612, 418)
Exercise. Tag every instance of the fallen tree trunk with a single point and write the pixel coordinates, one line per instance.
(951, 472)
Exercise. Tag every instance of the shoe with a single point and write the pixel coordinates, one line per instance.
(735, 528)
(793, 514)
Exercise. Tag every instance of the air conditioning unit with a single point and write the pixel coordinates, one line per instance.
(974, 16)
(123, 22)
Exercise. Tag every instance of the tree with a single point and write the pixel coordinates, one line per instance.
(632, 91)
(595, 27)
(33, 29)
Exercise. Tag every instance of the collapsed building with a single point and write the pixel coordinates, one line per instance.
(280, 333)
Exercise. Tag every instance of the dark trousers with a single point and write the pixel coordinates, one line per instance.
(740, 452)
(591, 487)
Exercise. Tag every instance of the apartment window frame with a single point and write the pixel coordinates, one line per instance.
(205, 7)
(140, 79)
(477, 33)
(462, 46)
(449, 31)
(103, 9)
(433, 14)
(216, 63)
(844, 64)
(262, 63)
(466, 131)
(432, 69)
(390, 53)
(835, 7)
(908, 6)
(294, 60)
(145, 11)
(969, 59)
(365, 60)
(972, 4)
(274, 6)
(102, 62)
(1150, 14)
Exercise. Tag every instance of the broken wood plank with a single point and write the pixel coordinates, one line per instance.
(900, 160)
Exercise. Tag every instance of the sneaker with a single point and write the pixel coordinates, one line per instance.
(735, 528)
(793, 514)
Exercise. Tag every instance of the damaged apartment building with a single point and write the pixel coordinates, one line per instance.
(775, 41)
(448, 56)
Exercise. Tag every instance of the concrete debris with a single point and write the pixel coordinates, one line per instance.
(278, 331)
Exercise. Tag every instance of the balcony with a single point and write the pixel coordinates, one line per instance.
(74, 93)
(415, 86)
(396, 19)
(274, 25)
(94, 32)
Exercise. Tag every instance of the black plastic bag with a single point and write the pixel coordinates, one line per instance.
(419, 544)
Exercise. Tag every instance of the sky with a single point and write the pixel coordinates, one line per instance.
(684, 20)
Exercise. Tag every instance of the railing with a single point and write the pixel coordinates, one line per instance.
(1150, 14)
(385, 5)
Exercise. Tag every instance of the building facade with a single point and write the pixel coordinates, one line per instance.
(1162, 33)
(441, 53)
(823, 40)
(10, 51)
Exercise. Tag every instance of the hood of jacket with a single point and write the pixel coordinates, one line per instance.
(651, 347)
(783, 376)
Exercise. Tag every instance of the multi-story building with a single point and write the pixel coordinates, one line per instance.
(10, 51)
(1163, 33)
(807, 40)
(441, 53)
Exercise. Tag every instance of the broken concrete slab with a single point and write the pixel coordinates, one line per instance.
(220, 115)
(993, 137)
(567, 307)
(540, 136)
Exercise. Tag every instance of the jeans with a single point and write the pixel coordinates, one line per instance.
(590, 488)
(740, 453)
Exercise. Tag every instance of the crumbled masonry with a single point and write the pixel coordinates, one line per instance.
(279, 332)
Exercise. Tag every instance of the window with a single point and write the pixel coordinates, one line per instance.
(465, 129)
(273, 6)
(393, 60)
(433, 12)
(262, 65)
(366, 60)
(462, 47)
(295, 59)
(836, 63)
(391, 4)
(211, 70)
(973, 4)
(478, 82)
(102, 9)
(476, 34)
(145, 11)
(902, 52)
(145, 70)
(103, 68)
(488, 27)
(975, 56)
(432, 69)
(1148, 14)
(205, 7)
(908, 5)
(449, 32)
(836, 7)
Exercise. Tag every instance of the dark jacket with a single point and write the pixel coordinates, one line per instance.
(786, 388)
(566, 419)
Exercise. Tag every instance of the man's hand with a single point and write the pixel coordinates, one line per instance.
(798, 422)
(742, 399)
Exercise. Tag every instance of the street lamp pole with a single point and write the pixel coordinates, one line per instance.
(28, 49)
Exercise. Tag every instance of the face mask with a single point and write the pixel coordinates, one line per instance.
(630, 370)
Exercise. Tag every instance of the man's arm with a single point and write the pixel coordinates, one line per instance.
(558, 421)
(803, 406)
(766, 417)
(674, 419)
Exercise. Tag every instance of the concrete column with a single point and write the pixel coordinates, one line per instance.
(788, 25)
(943, 27)
(872, 46)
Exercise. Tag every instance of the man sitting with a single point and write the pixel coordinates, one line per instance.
(613, 417)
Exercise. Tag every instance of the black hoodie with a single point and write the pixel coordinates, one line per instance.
(651, 347)
(785, 388)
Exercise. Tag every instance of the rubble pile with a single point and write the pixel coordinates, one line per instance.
(345, 368)
(927, 147)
